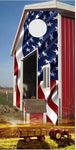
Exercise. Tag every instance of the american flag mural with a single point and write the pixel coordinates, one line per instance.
(47, 54)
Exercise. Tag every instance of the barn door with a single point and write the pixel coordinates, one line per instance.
(30, 76)
(14, 91)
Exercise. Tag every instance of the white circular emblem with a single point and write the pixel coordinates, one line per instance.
(37, 28)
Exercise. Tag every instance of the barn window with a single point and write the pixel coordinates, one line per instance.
(46, 76)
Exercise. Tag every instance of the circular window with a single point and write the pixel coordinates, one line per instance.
(37, 28)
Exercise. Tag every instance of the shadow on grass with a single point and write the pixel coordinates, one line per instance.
(65, 142)
(33, 144)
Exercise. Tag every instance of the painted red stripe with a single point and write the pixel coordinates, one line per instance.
(17, 95)
(48, 119)
(53, 85)
(40, 92)
(15, 65)
(53, 106)
(17, 89)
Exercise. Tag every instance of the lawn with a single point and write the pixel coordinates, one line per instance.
(17, 143)
(4, 100)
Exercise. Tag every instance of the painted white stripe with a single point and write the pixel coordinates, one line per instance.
(57, 82)
(19, 55)
(55, 98)
(52, 115)
(46, 92)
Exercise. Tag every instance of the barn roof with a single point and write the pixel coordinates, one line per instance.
(62, 8)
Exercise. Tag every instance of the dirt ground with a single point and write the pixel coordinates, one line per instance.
(9, 114)
(11, 119)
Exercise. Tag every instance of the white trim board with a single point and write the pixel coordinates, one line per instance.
(23, 59)
(59, 68)
(51, 5)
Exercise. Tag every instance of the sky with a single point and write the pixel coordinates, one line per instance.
(10, 14)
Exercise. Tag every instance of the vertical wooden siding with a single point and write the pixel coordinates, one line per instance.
(68, 67)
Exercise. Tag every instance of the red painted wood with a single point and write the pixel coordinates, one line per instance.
(15, 65)
(16, 73)
(17, 94)
(72, 68)
(63, 67)
(68, 67)
(36, 117)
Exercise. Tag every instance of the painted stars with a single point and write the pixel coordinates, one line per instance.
(27, 49)
(52, 74)
(55, 18)
(46, 45)
(54, 59)
(57, 68)
(44, 54)
(33, 47)
(56, 29)
(31, 39)
(49, 24)
(51, 37)
(37, 16)
(50, 13)
(46, 61)
(27, 43)
(39, 44)
(55, 51)
(44, 17)
(32, 14)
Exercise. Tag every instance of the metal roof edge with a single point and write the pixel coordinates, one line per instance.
(65, 6)
(51, 4)
(42, 5)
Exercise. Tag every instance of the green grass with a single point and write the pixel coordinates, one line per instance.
(17, 143)
(3, 99)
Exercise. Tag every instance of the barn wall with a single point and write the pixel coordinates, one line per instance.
(68, 67)
(47, 47)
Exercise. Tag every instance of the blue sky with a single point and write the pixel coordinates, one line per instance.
(10, 14)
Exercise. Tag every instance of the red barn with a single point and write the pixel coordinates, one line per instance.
(44, 65)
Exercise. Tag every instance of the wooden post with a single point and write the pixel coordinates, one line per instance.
(7, 95)
(60, 113)
(44, 117)
(28, 117)
(24, 113)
